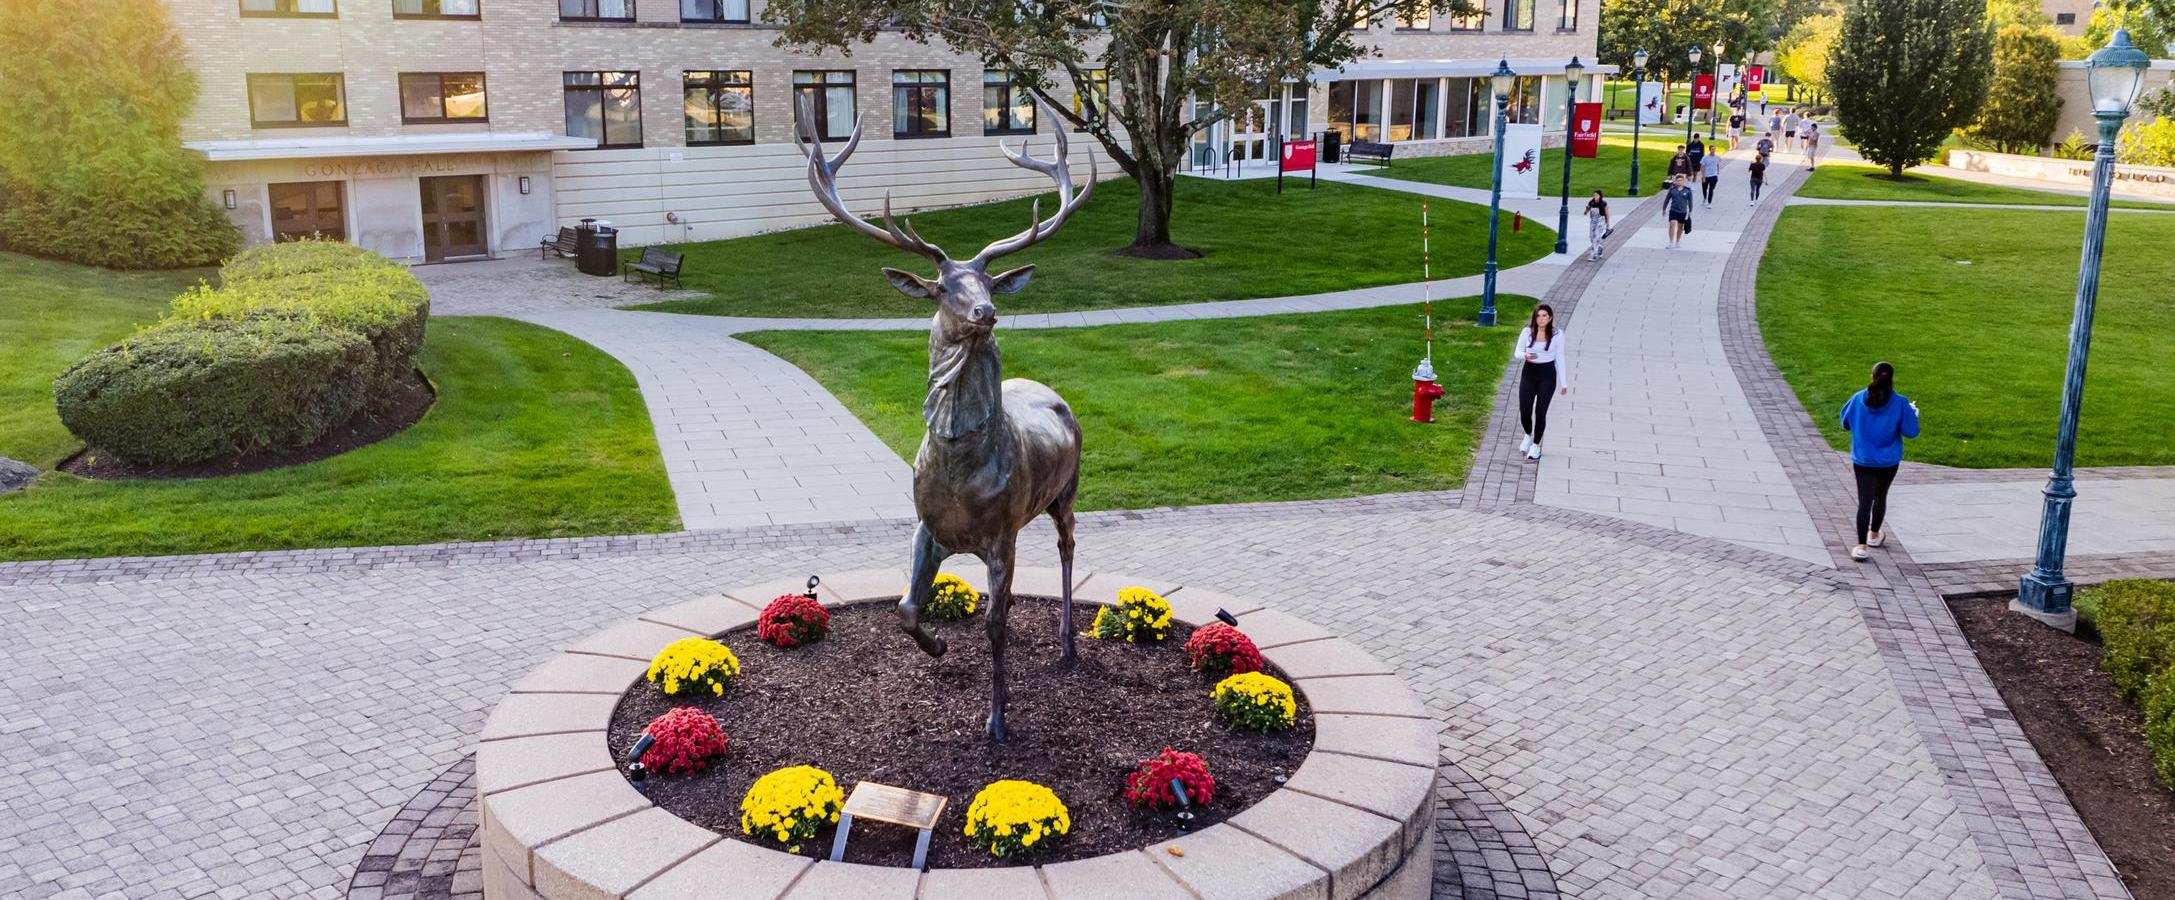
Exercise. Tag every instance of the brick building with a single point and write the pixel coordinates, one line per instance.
(446, 129)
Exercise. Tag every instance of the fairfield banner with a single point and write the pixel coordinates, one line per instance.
(1649, 102)
(1755, 78)
(1703, 91)
(1586, 130)
(1522, 161)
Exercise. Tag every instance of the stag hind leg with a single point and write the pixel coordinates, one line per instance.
(928, 554)
(1000, 606)
(1061, 516)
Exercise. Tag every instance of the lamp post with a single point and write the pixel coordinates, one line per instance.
(1638, 110)
(1500, 83)
(1693, 54)
(2113, 75)
(1714, 100)
(1572, 71)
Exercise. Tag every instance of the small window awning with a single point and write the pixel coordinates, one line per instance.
(1448, 68)
(393, 145)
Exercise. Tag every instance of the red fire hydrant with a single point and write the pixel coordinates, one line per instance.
(1424, 392)
(1517, 222)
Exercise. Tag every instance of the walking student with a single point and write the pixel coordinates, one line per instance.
(1766, 145)
(1774, 123)
(1710, 172)
(1696, 152)
(1812, 145)
(1789, 129)
(1678, 204)
(1540, 347)
(1597, 222)
(1756, 175)
(1878, 420)
(1680, 164)
(1737, 123)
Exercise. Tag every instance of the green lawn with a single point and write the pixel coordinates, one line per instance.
(535, 434)
(1286, 407)
(1258, 244)
(1844, 181)
(1973, 307)
(1610, 171)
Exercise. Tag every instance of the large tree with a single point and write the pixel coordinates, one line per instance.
(1906, 73)
(2022, 104)
(1804, 52)
(2149, 30)
(91, 163)
(1668, 29)
(1174, 67)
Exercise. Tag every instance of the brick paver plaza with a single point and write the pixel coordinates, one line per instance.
(1650, 677)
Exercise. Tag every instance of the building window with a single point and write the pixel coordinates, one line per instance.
(606, 106)
(829, 95)
(437, 9)
(720, 108)
(1569, 19)
(1355, 110)
(427, 97)
(921, 102)
(1096, 94)
(291, 9)
(290, 101)
(1525, 101)
(735, 11)
(596, 10)
(1008, 107)
(1412, 109)
(2065, 18)
(1474, 21)
(307, 209)
(1419, 22)
(1517, 15)
(1465, 108)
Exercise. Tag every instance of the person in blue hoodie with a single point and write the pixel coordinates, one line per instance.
(1878, 420)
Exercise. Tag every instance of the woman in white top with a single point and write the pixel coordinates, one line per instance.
(1540, 346)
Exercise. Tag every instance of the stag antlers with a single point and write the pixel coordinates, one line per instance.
(823, 178)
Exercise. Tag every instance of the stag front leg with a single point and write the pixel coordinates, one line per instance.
(1061, 514)
(920, 586)
(1000, 606)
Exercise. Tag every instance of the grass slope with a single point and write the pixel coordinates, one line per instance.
(1981, 346)
(1843, 181)
(535, 434)
(1286, 407)
(1258, 244)
(1610, 171)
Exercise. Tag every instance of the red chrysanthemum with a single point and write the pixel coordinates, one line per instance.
(685, 739)
(1150, 785)
(793, 620)
(1220, 649)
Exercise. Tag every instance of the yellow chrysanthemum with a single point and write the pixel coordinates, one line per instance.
(954, 599)
(1010, 816)
(1255, 700)
(1139, 616)
(693, 663)
(790, 805)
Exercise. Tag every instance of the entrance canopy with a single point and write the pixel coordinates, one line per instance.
(396, 145)
(1447, 68)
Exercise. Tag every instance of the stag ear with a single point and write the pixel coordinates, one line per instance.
(910, 284)
(1012, 282)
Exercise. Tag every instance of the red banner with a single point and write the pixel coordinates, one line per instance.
(1703, 91)
(1586, 130)
(1298, 156)
(1754, 77)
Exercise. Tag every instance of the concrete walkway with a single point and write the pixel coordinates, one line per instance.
(1980, 520)
(1936, 204)
(1656, 428)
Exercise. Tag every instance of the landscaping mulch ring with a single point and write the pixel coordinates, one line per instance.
(2089, 736)
(389, 416)
(865, 704)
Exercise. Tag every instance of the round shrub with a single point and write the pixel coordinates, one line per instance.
(793, 620)
(1150, 785)
(184, 393)
(684, 740)
(1220, 649)
(2136, 621)
(953, 600)
(1139, 617)
(790, 805)
(331, 284)
(1255, 701)
(698, 665)
(297, 258)
(2160, 725)
(1011, 817)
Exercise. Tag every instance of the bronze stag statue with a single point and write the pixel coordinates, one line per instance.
(997, 453)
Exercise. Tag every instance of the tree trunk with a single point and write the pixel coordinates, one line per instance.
(1153, 233)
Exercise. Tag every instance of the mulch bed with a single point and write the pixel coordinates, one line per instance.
(390, 416)
(2089, 736)
(865, 703)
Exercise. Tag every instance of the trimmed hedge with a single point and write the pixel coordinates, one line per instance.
(184, 393)
(2136, 622)
(298, 339)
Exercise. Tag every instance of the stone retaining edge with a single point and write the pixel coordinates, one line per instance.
(561, 822)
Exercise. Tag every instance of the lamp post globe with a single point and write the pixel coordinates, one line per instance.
(1572, 72)
(2113, 75)
(1638, 113)
(1500, 83)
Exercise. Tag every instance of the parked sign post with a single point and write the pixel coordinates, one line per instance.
(1297, 156)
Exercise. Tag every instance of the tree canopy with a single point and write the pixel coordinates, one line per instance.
(2022, 104)
(1668, 31)
(1905, 73)
(1804, 52)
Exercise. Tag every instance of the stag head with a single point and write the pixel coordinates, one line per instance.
(962, 288)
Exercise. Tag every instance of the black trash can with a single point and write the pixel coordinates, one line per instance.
(1332, 149)
(596, 248)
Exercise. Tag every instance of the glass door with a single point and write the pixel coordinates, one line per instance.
(453, 217)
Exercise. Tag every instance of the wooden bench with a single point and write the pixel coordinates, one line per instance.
(1369, 151)
(662, 265)
(563, 245)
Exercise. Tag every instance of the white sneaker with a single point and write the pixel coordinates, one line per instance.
(1859, 553)
(1876, 539)
(1526, 445)
(1534, 453)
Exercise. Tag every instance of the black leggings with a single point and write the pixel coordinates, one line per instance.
(1873, 482)
(1755, 188)
(1706, 186)
(1536, 386)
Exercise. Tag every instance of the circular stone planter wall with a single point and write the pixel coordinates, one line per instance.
(561, 822)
